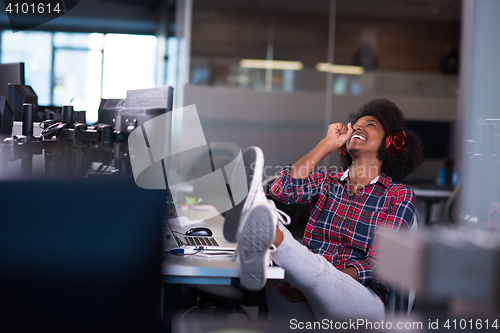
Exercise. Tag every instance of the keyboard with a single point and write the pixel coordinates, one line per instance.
(198, 241)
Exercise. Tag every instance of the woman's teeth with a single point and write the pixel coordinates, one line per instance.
(358, 136)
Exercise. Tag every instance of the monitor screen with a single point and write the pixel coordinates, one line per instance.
(10, 73)
(437, 137)
(80, 256)
(138, 102)
(18, 95)
(107, 110)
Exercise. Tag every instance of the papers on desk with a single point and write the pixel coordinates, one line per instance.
(201, 252)
(183, 221)
(215, 254)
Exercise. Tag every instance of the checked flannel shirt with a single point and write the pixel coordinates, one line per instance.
(341, 227)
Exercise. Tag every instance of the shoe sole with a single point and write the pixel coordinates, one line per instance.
(255, 240)
(253, 158)
(233, 216)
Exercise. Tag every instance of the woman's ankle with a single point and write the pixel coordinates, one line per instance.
(278, 238)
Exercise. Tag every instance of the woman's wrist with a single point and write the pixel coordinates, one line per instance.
(352, 272)
(304, 166)
(328, 146)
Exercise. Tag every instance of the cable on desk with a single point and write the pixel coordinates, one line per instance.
(53, 127)
(198, 250)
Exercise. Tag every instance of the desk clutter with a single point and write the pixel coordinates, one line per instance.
(77, 233)
(69, 147)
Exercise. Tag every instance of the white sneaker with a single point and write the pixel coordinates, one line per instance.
(253, 225)
(255, 243)
(255, 240)
(253, 159)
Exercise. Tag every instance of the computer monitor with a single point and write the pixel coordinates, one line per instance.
(18, 95)
(10, 73)
(107, 110)
(6, 118)
(80, 256)
(143, 101)
(437, 137)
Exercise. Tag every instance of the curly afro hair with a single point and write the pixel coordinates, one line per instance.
(398, 165)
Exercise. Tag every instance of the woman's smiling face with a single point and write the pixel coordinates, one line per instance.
(367, 137)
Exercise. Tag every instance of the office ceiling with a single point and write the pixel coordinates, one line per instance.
(435, 10)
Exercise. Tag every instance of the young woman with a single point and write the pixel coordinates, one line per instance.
(332, 273)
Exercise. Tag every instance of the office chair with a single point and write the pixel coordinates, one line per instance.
(401, 301)
(229, 300)
(448, 207)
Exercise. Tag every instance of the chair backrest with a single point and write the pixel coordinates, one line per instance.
(401, 300)
(448, 207)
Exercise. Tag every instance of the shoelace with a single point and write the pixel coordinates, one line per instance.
(272, 249)
(282, 216)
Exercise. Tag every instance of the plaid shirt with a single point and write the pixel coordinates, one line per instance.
(341, 227)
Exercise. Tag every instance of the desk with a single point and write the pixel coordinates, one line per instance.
(430, 196)
(193, 269)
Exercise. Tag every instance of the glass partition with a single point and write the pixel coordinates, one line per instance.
(276, 47)
(480, 118)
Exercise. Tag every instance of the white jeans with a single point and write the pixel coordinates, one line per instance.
(330, 293)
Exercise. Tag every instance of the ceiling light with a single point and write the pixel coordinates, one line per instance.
(271, 64)
(339, 69)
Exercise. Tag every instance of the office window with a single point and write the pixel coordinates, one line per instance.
(77, 71)
(129, 63)
(34, 48)
(81, 68)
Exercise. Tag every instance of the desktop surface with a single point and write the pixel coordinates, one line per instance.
(198, 269)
